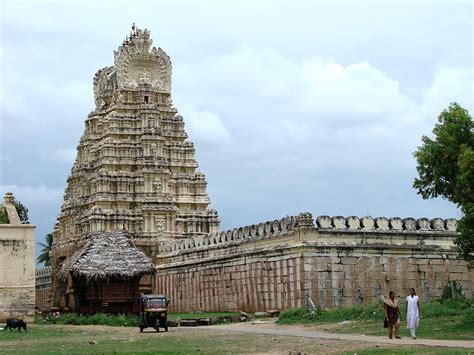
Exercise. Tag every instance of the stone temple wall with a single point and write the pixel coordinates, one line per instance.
(284, 263)
(17, 266)
(43, 289)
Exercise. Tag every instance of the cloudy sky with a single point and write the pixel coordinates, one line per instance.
(293, 106)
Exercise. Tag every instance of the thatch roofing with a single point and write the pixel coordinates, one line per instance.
(107, 255)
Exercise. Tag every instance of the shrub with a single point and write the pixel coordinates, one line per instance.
(295, 315)
(447, 293)
(460, 307)
(303, 315)
(468, 316)
(371, 311)
(447, 308)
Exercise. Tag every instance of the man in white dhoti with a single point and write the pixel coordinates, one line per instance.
(413, 312)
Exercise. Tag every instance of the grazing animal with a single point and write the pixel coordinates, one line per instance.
(15, 323)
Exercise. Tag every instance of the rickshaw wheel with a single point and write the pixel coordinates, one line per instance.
(166, 327)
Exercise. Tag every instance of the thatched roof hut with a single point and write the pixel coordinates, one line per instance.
(105, 256)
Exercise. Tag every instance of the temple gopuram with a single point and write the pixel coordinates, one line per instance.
(135, 169)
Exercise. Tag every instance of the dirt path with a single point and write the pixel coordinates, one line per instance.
(270, 328)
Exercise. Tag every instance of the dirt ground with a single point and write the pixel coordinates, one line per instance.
(324, 332)
(251, 337)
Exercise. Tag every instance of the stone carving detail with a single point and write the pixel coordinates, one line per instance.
(381, 223)
(339, 222)
(409, 224)
(324, 222)
(117, 97)
(451, 224)
(353, 222)
(396, 223)
(305, 220)
(103, 85)
(144, 78)
(157, 186)
(437, 224)
(367, 223)
(160, 223)
(139, 64)
(154, 149)
(423, 223)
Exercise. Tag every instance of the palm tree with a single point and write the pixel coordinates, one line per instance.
(46, 248)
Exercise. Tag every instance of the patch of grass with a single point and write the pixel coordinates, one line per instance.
(450, 319)
(115, 320)
(411, 350)
(302, 315)
(99, 318)
(447, 308)
(102, 339)
(38, 332)
(299, 315)
(430, 328)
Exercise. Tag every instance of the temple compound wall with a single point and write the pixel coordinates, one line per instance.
(43, 289)
(291, 262)
(17, 265)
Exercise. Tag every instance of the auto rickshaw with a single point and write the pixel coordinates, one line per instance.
(154, 312)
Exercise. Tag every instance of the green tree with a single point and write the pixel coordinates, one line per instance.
(3, 216)
(22, 211)
(445, 166)
(46, 248)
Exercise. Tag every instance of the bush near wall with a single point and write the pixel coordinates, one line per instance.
(459, 307)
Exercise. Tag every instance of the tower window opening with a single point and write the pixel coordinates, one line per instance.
(146, 99)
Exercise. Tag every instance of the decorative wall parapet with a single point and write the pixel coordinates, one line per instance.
(43, 289)
(253, 232)
(383, 224)
(304, 221)
(43, 278)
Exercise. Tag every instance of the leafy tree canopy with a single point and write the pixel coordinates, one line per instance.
(445, 165)
(22, 211)
(45, 249)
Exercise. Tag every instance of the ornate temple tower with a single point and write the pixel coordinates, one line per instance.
(135, 168)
